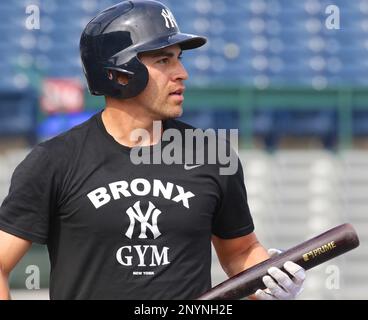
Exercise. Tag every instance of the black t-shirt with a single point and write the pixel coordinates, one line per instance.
(116, 230)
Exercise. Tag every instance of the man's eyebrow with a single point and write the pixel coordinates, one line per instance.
(167, 54)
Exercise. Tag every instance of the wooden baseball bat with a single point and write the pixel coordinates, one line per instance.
(308, 254)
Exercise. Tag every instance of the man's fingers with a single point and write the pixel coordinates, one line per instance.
(296, 271)
(262, 295)
(280, 285)
(282, 278)
(274, 288)
(273, 251)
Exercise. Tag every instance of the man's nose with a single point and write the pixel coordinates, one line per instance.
(180, 72)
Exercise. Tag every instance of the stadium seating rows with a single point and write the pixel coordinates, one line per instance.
(258, 43)
(285, 42)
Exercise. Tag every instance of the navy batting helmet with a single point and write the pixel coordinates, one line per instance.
(113, 39)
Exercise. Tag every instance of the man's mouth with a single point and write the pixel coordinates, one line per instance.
(178, 92)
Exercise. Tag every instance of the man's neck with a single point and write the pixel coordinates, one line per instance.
(121, 122)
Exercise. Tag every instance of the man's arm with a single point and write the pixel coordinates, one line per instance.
(241, 253)
(238, 254)
(12, 249)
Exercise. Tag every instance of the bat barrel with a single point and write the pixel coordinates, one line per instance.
(308, 254)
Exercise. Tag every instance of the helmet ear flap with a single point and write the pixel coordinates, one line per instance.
(137, 79)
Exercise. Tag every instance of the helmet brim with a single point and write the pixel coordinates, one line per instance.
(184, 40)
(188, 41)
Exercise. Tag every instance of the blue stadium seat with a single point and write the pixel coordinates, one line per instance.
(360, 123)
(307, 123)
(263, 124)
(58, 123)
(18, 113)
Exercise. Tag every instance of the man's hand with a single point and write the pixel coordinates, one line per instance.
(280, 286)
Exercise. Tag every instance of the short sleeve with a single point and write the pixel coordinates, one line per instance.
(233, 219)
(25, 211)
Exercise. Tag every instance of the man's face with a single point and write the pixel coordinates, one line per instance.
(164, 95)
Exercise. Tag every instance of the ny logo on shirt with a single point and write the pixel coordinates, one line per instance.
(135, 213)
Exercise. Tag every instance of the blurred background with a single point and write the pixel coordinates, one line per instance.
(296, 88)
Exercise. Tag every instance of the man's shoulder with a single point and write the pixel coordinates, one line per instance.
(69, 139)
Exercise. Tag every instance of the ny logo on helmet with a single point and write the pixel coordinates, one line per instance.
(135, 213)
(170, 21)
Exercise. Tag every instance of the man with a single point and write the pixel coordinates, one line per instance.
(116, 230)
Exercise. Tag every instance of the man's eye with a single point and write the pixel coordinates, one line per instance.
(163, 61)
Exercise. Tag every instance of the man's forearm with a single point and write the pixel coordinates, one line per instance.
(4, 287)
(254, 255)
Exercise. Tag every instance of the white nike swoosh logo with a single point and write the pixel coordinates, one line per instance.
(190, 167)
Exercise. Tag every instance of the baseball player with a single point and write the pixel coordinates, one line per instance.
(114, 229)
